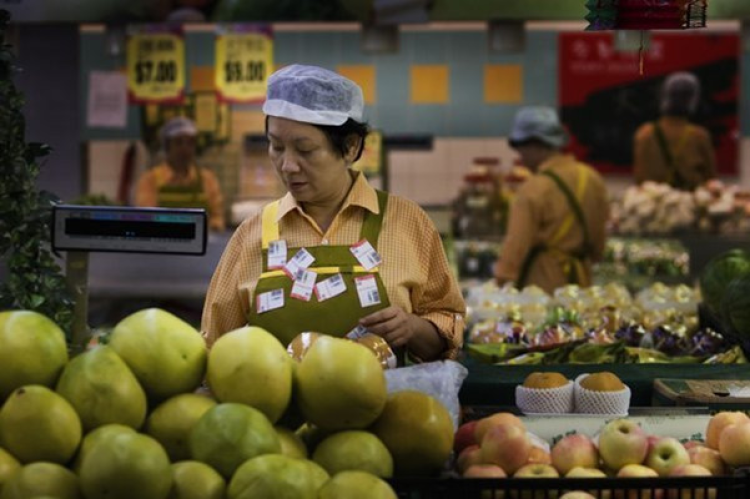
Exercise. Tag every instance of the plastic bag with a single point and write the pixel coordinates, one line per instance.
(441, 380)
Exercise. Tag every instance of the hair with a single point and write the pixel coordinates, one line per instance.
(532, 141)
(338, 135)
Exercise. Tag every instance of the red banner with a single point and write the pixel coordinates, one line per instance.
(603, 97)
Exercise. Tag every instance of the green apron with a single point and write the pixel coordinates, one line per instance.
(571, 262)
(183, 196)
(335, 316)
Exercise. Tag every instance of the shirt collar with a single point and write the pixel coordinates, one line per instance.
(362, 194)
(554, 161)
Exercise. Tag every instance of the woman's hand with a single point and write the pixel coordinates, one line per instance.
(393, 324)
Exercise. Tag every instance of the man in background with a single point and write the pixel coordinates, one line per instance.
(179, 182)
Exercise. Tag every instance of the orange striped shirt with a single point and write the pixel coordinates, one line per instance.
(415, 270)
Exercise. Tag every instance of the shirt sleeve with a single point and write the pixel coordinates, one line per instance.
(520, 235)
(146, 192)
(215, 200)
(439, 300)
(224, 309)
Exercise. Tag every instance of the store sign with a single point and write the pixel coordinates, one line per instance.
(244, 60)
(156, 65)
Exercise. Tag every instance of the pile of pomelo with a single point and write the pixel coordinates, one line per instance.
(153, 414)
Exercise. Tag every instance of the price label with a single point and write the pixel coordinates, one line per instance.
(277, 254)
(367, 290)
(156, 67)
(304, 285)
(244, 60)
(366, 254)
(270, 300)
(358, 332)
(298, 264)
(333, 286)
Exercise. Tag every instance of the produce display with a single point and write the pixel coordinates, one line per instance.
(592, 325)
(653, 208)
(500, 446)
(131, 419)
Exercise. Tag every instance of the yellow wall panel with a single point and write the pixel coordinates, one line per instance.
(430, 84)
(503, 83)
(364, 76)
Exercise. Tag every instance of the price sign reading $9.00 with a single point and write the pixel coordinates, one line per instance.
(156, 67)
(243, 64)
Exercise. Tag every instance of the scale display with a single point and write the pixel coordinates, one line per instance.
(129, 230)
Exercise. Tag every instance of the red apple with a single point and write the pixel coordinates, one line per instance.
(539, 456)
(622, 442)
(469, 456)
(652, 439)
(691, 492)
(720, 421)
(633, 471)
(734, 444)
(498, 418)
(573, 451)
(487, 471)
(537, 471)
(507, 446)
(667, 453)
(464, 437)
(691, 444)
(709, 459)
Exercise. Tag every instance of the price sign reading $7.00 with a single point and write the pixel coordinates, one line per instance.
(244, 60)
(156, 67)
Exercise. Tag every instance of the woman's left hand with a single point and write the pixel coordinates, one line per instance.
(393, 324)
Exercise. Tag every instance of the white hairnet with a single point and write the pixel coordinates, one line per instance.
(680, 93)
(178, 126)
(311, 94)
(538, 122)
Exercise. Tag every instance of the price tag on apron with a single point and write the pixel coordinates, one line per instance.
(299, 262)
(304, 285)
(366, 254)
(277, 254)
(357, 332)
(270, 300)
(367, 290)
(333, 286)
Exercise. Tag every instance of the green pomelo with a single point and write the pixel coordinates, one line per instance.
(33, 351)
(277, 476)
(418, 432)
(8, 466)
(103, 390)
(250, 366)
(166, 354)
(195, 480)
(229, 434)
(95, 436)
(341, 385)
(126, 466)
(359, 484)
(171, 422)
(37, 424)
(42, 479)
(291, 444)
(354, 450)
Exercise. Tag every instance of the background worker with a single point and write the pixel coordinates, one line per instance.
(557, 220)
(179, 182)
(671, 149)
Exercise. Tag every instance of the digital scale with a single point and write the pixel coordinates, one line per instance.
(80, 230)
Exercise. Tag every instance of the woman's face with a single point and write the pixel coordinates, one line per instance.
(304, 159)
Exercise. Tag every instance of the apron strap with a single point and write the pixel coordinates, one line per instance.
(373, 222)
(575, 206)
(269, 225)
(675, 178)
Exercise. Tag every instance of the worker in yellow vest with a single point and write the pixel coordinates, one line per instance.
(673, 150)
(179, 182)
(557, 219)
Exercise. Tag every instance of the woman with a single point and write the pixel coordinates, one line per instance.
(311, 261)
(671, 149)
(179, 182)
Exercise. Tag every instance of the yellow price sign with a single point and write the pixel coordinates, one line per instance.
(156, 67)
(244, 61)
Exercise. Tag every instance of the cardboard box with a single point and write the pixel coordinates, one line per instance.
(716, 394)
